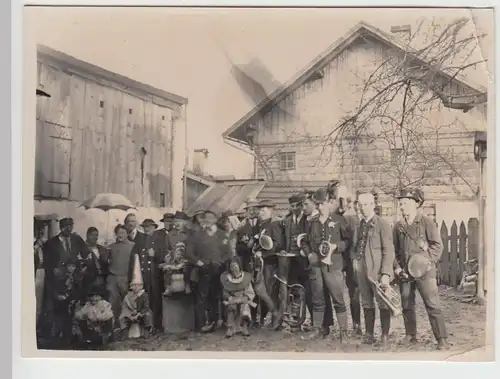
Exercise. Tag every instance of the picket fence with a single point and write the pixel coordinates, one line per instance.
(460, 244)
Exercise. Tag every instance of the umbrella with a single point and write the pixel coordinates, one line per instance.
(107, 201)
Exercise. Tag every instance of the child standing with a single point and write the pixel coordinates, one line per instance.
(175, 271)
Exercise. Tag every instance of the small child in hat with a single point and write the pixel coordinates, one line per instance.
(136, 316)
(176, 277)
(95, 319)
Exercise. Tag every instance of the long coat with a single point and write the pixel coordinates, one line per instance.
(150, 271)
(286, 225)
(379, 253)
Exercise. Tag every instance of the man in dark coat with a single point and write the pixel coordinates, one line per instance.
(207, 249)
(268, 226)
(149, 258)
(162, 234)
(294, 265)
(98, 272)
(326, 270)
(57, 251)
(414, 236)
(178, 233)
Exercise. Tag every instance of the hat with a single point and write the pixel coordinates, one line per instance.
(226, 214)
(149, 222)
(250, 202)
(415, 194)
(308, 194)
(297, 198)
(136, 274)
(265, 204)
(418, 265)
(214, 212)
(67, 221)
(320, 196)
(167, 216)
(181, 216)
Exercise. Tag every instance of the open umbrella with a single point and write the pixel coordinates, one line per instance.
(107, 202)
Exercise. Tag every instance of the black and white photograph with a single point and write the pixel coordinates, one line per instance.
(259, 180)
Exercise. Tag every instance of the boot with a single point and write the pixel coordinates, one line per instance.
(410, 320)
(443, 344)
(276, 320)
(385, 322)
(409, 340)
(315, 333)
(230, 322)
(342, 320)
(357, 329)
(369, 325)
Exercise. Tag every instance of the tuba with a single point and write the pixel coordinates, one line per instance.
(390, 297)
(326, 249)
(295, 308)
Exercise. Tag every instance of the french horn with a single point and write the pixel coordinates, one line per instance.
(301, 240)
(263, 242)
(390, 297)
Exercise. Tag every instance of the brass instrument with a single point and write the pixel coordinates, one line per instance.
(262, 243)
(326, 249)
(390, 297)
(295, 308)
(301, 239)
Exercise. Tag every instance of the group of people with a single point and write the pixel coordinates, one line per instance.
(329, 241)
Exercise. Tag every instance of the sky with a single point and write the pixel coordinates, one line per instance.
(180, 50)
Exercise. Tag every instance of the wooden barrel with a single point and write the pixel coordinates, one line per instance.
(178, 313)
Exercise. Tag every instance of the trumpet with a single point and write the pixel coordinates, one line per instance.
(390, 297)
(326, 249)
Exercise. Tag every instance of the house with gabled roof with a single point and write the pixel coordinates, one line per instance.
(284, 132)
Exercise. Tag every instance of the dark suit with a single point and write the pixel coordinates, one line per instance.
(294, 269)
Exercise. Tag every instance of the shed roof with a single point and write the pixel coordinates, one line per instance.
(69, 62)
(237, 131)
(227, 196)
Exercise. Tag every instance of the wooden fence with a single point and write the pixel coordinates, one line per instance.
(460, 244)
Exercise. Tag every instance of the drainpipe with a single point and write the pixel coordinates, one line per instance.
(186, 162)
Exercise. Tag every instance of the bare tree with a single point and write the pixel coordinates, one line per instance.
(391, 128)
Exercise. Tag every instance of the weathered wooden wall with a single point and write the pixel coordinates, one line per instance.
(300, 122)
(89, 140)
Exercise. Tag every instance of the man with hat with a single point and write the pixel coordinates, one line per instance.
(162, 234)
(206, 249)
(293, 266)
(130, 223)
(150, 256)
(328, 231)
(268, 226)
(245, 240)
(311, 212)
(58, 251)
(418, 248)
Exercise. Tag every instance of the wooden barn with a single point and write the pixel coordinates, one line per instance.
(102, 132)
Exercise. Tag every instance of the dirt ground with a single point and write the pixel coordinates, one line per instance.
(466, 325)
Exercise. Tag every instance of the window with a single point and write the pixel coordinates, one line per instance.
(396, 155)
(162, 199)
(101, 104)
(287, 161)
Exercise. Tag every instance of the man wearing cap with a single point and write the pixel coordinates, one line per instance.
(58, 251)
(146, 248)
(418, 248)
(326, 270)
(311, 212)
(178, 231)
(268, 226)
(206, 250)
(373, 260)
(293, 267)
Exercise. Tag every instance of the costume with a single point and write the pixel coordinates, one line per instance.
(237, 293)
(95, 319)
(176, 275)
(136, 316)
